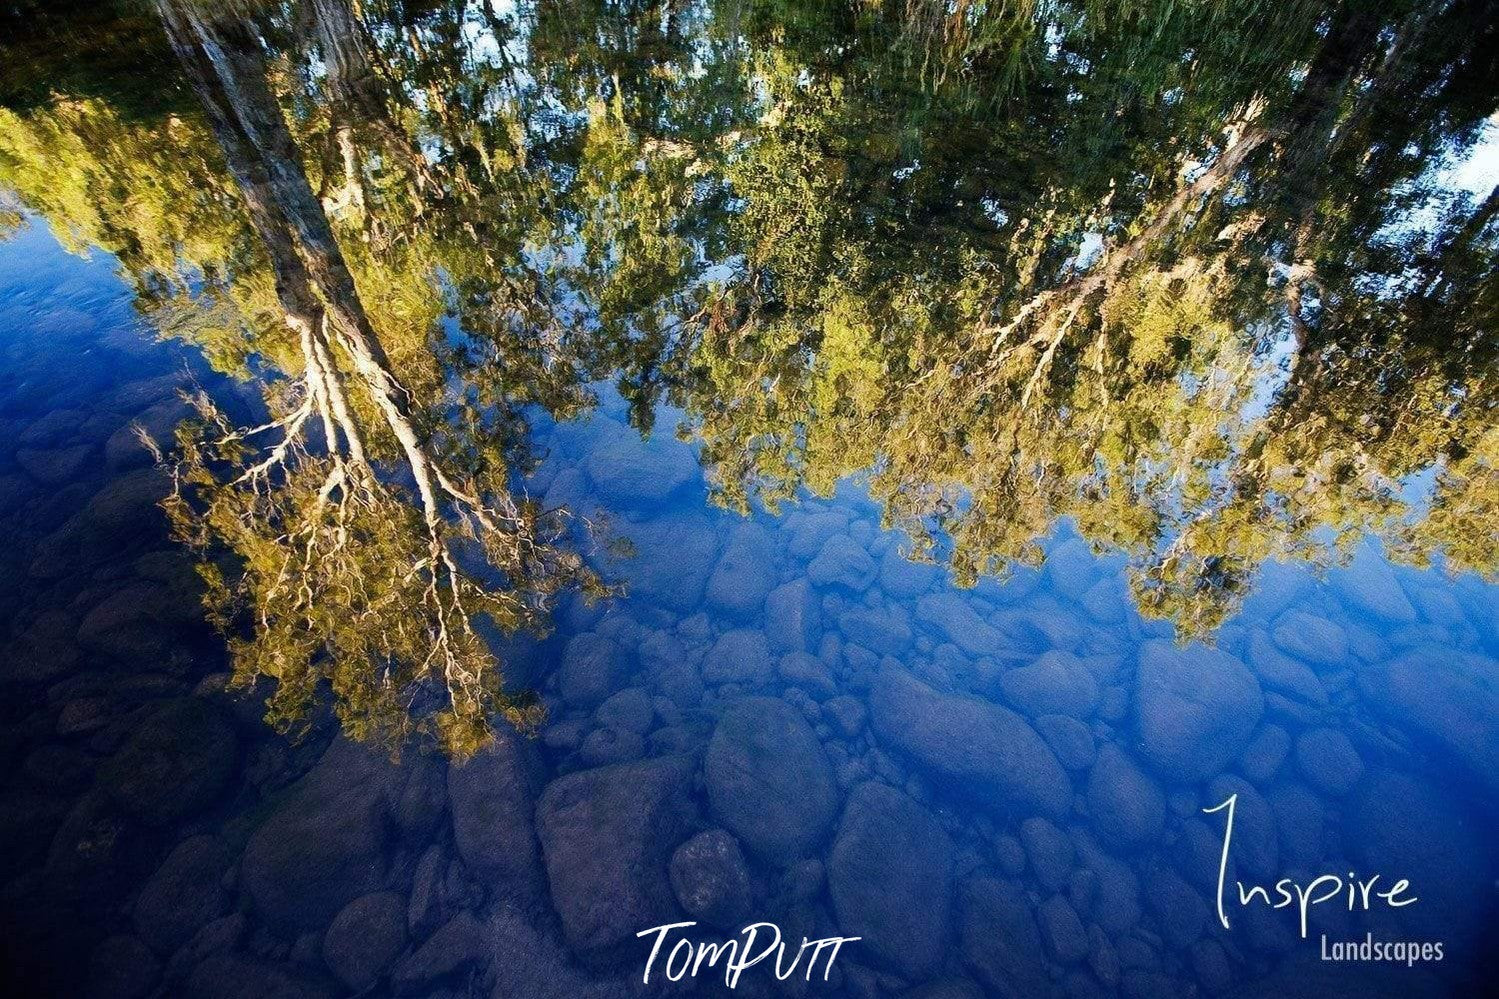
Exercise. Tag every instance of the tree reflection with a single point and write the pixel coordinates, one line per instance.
(1185, 274)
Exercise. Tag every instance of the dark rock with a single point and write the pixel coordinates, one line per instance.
(325, 843)
(1000, 940)
(1180, 912)
(238, 976)
(606, 835)
(1197, 709)
(710, 879)
(842, 562)
(809, 673)
(1126, 805)
(745, 573)
(883, 630)
(1057, 683)
(847, 713)
(604, 746)
(493, 799)
(768, 779)
(792, 617)
(1288, 676)
(1311, 638)
(955, 619)
(739, 656)
(982, 750)
(890, 873)
(44, 651)
(630, 710)
(592, 668)
(674, 557)
(122, 967)
(54, 466)
(365, 937)
(1049, 850)
(1070, 739)
(176, 762)
(1328, 761)
(1062, 931)
(184, 895)
(1267, 750)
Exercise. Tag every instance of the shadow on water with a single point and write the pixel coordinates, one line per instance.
(881, 471)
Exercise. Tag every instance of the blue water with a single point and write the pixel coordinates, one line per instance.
(1000, 790)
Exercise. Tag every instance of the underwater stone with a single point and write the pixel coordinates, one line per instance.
(984, 750)
(739, 656)
(493, 796)
(592, 667)
(792, 617)
(745, 572)
(606, 835)
(902, 578)
(710, 878)
(842, 562)
(174, 764)
(365, 937)
(630, 471)
(1126, 805)
(1070, 739)
(890, 873)
(1197, 709)
(999, 938)
(183, 895)
(1057, 683)
(768, 779)
(1328, 761)
(1311, 638)
(955, 618)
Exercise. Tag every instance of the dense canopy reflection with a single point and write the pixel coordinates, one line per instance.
(1192, 275)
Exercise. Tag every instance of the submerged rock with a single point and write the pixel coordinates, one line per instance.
(606, 835)
(1057, 683)
(493, 798)
(956, 620)
(326, 843)
(1197, 708)
(1000, 939)
(629, 471)
(365, 937)
(177, 761)
(593, 667)
(982, 750)
(1127, 806)
(890, 873)
(710, 879)
(769, 780)
(739, 656)
(842, 562)
(184, 894)
(745, 572)
(674, 556)
(792, 617)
